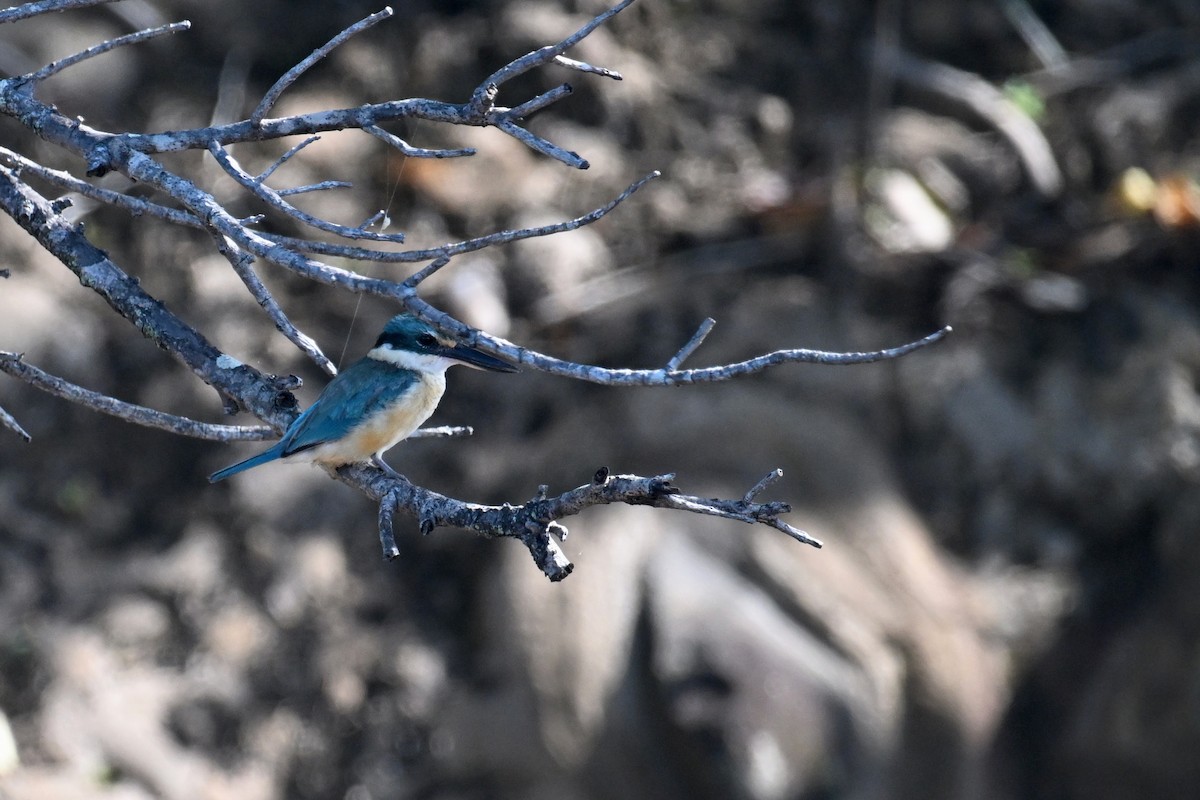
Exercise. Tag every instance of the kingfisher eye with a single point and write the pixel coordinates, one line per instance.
(427, 340)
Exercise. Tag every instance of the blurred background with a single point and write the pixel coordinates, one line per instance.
(1007, 602)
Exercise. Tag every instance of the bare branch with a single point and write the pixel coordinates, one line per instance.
(658, 377)
(54, 67)
(697, 339)
(535, 523)
(46, 7)
(145, 170)
(12, 364)
(134, 205)
(295, 72)
(96, 271)
(478, 111)
(457, 248)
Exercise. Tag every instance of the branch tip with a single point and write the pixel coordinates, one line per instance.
(442, 432)
(692, 344)
(766, 481)
(387, 535)
(10, 422)
(591, 69)
(795, 533)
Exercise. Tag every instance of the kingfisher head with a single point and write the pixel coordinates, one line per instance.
(412, 343)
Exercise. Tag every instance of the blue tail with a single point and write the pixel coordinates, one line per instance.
(262, 458)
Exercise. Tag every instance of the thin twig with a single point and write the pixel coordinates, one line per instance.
(442, 432)
(456, 248)
(407, 149)
(273, 199)
(380, 217)
(543, 146)
(314, 187)
(697, 339)
(54, 67)
(283, 159)
(10, 422)
(12, 364)
(415, 279)
(795, 533)
(530, 107)
(241, 262)
(46, 7)
(759, 487)
(295, 72)
(591, 69)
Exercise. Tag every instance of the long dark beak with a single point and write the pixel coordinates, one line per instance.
(477, 359)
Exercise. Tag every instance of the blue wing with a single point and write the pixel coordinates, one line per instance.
(359, 391)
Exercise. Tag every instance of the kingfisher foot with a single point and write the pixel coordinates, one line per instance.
(383, 465)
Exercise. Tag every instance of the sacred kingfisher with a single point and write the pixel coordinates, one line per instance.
(374, 403)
